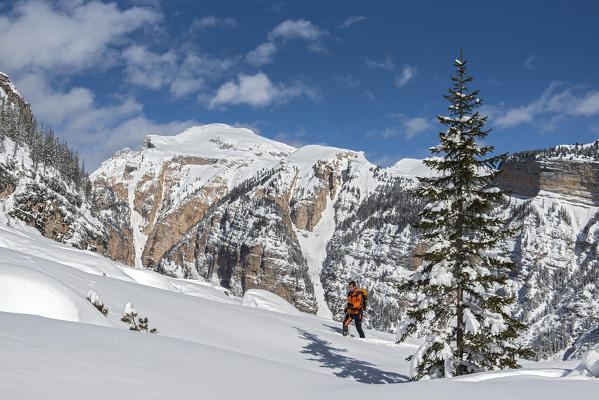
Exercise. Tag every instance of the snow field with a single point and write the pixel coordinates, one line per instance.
(264, 300)
(210, 343)
(27, 291)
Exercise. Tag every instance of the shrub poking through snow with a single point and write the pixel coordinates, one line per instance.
(136, 324)
(93, 298)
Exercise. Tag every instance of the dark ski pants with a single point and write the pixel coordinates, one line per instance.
(357, 319)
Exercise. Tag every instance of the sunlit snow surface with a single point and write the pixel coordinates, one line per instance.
(210, 344)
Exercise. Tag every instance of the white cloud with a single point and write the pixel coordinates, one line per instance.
(75, 110)
(386, 161)
(210, 21)
(257, 91)
(181, 87)
(346, 81)
(516, 116)
(37, 35)
(587, 106)
(402, 77)
(370, 95)
(389, 132)
(287, 30)
(385, 64)
(406, 75)
(293, 139)
(53, 107)
(352, 20)
(555, 103)
(299, 29)
(317, 47)
(183, 75)
(147, 68)
(531, 61)
(263, 54)
(414, 126)
(406, 126)
(96, 131)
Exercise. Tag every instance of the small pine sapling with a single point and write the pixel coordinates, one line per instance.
(93, 298)
(130, 317)
(143, 326)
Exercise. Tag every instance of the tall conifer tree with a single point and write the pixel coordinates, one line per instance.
(458, 294)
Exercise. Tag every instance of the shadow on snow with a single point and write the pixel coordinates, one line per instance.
(348, 367)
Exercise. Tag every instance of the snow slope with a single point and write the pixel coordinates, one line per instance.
(314, 249)
(219, 141)
(210, 343)
(412, 167)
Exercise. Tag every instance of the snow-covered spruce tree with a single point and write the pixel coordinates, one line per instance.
(458, 296)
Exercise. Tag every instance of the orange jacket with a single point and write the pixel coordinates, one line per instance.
(355, 301)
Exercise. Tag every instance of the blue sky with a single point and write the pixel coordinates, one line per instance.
(360, 75)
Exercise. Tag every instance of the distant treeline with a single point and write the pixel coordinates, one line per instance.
(589, 152)
(46, 150)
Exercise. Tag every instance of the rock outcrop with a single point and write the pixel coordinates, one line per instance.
(577, 180)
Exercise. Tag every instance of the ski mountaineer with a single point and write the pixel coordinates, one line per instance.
(353, 309)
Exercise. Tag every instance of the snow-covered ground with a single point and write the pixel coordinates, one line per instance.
(55, 345)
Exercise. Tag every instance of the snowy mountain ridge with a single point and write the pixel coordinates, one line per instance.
(176, 180)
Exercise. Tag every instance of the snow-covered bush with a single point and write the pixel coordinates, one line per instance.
(591, 360)
(130, 317)
(93, 298)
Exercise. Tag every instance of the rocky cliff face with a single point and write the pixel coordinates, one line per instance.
(183, 211)
(577, 180)
(226, 205)
(556, 206)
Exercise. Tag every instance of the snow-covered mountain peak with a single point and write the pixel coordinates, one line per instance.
(218, 141)
(307, 156)
(411, 167)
